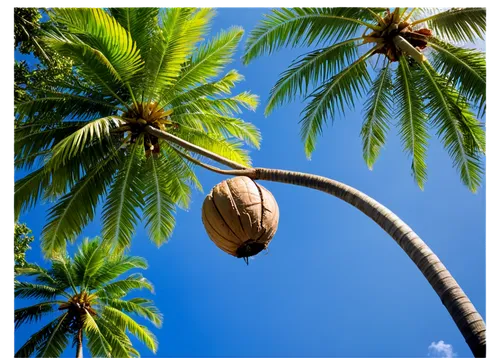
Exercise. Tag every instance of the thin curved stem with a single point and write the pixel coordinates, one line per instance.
(193, 148)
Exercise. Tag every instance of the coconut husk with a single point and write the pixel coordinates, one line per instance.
(240, 216)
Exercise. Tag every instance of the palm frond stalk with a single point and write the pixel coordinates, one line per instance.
(89, 295)
(412, 41)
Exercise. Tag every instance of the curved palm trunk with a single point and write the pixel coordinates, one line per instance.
(79, 346)
(463, 312)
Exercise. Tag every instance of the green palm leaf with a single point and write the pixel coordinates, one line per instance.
(215, 143)
(123, 321)
(464, 67)
(377, 115)
(159, 205)
(300, 26)
(332, 98)
(457, 24)
(181, 29)
(48, 341)
(106, 37)
(412, 122)
(33, 313)
(460, 132)
(92, 133)
(120, 288)
(140, 23)
(74, 210)
(210, 58)
(125, 197)
(315, 66)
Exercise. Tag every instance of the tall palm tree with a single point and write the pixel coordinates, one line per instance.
(89, 298)
(405, 88)
(83, 139)
(149, 168)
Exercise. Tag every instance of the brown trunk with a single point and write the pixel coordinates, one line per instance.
(79, 346)
(463, 312)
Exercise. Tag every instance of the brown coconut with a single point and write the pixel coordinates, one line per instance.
(240, 216)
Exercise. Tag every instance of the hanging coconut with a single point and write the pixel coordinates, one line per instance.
(240, 216)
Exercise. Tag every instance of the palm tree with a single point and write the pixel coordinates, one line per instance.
(90, 298)
(416, 93)
(168, 106)
(84, 135)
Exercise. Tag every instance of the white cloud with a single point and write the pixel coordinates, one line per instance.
(441, 350)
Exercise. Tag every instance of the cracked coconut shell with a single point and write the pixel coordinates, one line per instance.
(240, 216)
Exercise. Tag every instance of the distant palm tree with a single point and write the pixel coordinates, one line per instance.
(90, 297)
(136, 67)
(414, 93)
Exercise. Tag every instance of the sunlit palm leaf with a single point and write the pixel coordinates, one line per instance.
(159, 205)
(315, 66)
(106, 37)
(460, 132)
(458, 24)
(210, 58)
(466, 69)
(73, 211)
(332, 98)
(412, 120)
(299, 26)
(181, 29)
(125, 198)
(377, 115)
(123, 320)
(91, 134)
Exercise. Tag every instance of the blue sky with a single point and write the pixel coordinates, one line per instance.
(333, 283)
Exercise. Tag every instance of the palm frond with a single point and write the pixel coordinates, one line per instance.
(412, 120)
(74, 210)
(91, 134)
(209, 58)
(304, 26)
(116, 339)
(211, 89)
(140, 22)
(460, 132)
(115, 266)
(33, 313)
(108, 40)
(139, 306)
(221, 125)
(88, 260)
(96, 342)
(159, 205)
(125, 198)
(34, 290)
(331, 98)
(377, 115)
(465, 68)
(313, 67)
(457, 24)
(29, 189)
(49, 341)
(124, 321)
(217, 144)
(181, 29)
(118, 289)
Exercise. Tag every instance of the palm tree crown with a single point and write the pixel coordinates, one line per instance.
(83, 139)
(416, 92)
(89, 297)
